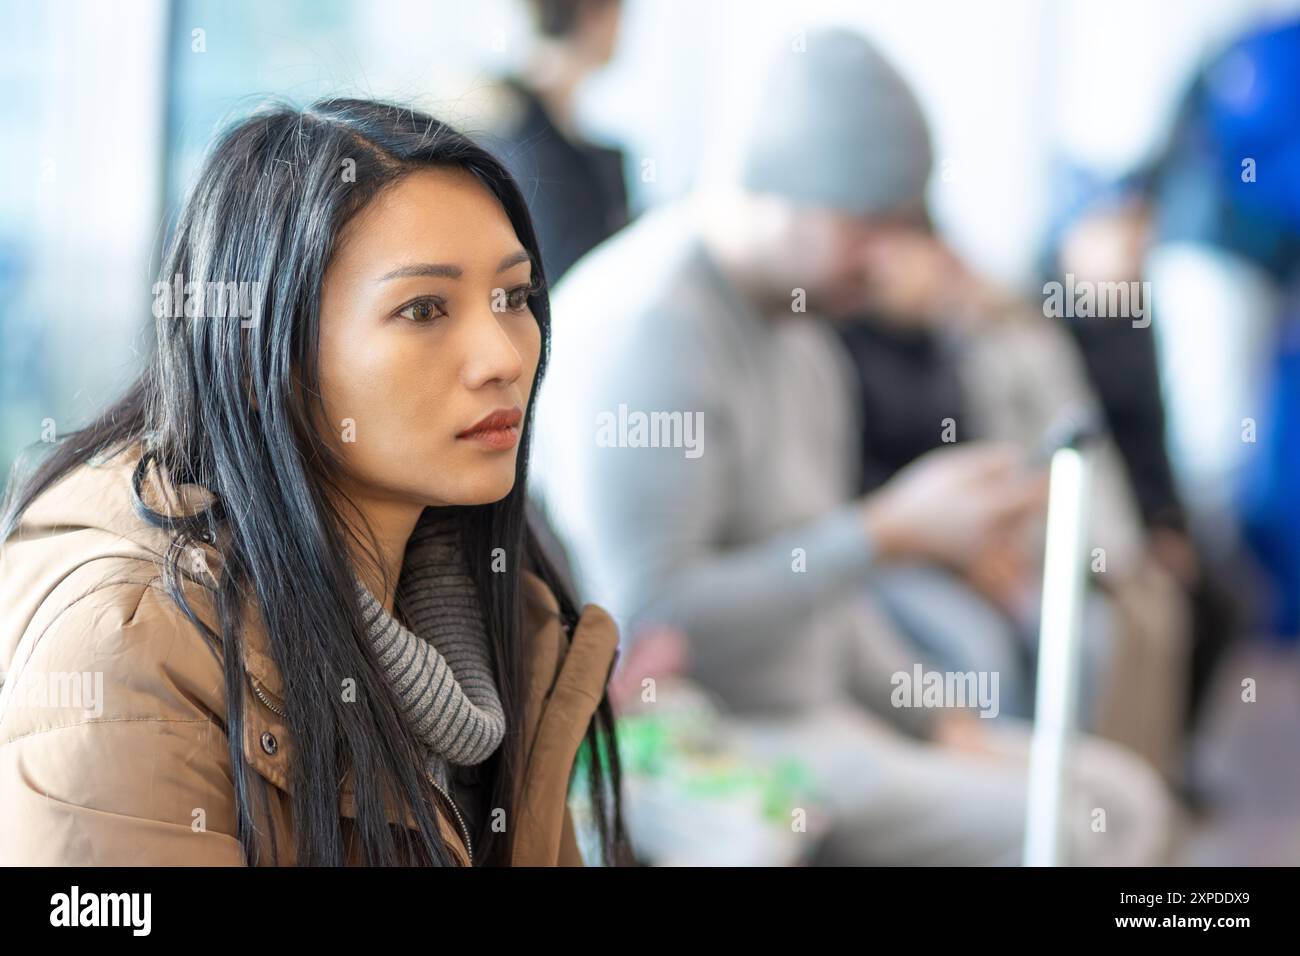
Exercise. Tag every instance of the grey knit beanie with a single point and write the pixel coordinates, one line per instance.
(837, 126)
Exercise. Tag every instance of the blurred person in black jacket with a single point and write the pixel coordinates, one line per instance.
(575, 189)
(1106, 239)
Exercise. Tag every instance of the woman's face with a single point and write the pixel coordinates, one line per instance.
(428, 348)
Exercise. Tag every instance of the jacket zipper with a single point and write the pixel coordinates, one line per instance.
(461, 826)
(263, 698)
(460, 821)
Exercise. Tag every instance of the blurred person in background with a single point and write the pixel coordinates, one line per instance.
(1205, 402)
(942, 357)
(575, 189)
(744, 528)
(1224, 262)
(1104, 237)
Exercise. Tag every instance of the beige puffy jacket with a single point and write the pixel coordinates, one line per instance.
(113, 747)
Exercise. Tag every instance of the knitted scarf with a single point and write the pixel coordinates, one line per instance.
(440, 667)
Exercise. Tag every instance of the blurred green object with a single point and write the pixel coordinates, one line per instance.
(643, 746)
(666, 748)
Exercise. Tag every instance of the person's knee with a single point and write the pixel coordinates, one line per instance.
(1122, 814)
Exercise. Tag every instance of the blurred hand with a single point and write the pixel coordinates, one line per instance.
(952, 503)
(1003, 573)
(963, 731)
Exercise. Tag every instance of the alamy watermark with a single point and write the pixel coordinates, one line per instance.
(1085, 299)
(132, 911)
(58, 690)
(922, 688)
(636, 429)
(206, 300)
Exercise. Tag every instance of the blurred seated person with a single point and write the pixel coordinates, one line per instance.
(942, 357)
(699, 450)
(941, 360)
(1105, 237)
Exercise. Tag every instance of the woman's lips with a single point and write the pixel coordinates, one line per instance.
(498, 430)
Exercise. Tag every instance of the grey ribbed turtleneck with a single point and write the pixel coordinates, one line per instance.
(440, 666)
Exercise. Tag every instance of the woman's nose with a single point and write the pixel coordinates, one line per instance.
(490, 352)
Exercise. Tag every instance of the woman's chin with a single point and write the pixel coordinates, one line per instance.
(487, 489)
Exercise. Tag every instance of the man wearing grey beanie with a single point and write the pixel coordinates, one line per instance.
(736, 521)
(841, 130)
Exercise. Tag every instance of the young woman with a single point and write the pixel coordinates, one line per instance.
(280, 603)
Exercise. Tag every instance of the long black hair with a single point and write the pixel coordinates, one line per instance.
(233, 406)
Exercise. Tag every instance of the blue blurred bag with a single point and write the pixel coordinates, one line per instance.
(1270, 494)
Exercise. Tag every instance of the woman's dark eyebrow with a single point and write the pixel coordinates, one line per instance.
(421, 269)
(438, 270)
(514, 259)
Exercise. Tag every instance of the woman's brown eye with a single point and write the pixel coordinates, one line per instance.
(424, 310)
(518, 299)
